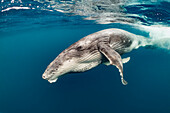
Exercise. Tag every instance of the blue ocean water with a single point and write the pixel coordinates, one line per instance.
(33, 33)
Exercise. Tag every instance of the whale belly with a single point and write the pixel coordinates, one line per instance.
(88, 61)
(86, 66)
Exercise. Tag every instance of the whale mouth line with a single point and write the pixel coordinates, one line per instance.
(46, 77)
(49, 77)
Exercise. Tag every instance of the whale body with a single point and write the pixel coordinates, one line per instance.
(102, 47)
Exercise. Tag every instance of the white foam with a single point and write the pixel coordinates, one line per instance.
(59, 10)
(15, 7)
(158, 31)
(12, 1)
(159, 34)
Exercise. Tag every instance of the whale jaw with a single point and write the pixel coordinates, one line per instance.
(53, 80)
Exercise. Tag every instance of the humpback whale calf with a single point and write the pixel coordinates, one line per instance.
(102, 47)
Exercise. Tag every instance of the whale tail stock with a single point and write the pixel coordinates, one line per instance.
(144, 42)
(158, 36)
(152, 43)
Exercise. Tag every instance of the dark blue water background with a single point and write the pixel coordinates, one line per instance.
(31, 39)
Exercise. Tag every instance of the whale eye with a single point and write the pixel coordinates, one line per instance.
(52, 72)
(79, 48)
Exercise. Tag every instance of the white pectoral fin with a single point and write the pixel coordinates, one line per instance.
(52, 81)
(106, 63)
(125, 60)
(113, 57)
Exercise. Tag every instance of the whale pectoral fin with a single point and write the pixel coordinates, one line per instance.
(106, 63)
(125, 60)
(113, 57)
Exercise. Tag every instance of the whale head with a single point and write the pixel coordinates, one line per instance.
(51, 73)
(64, 63)
(57, 68)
